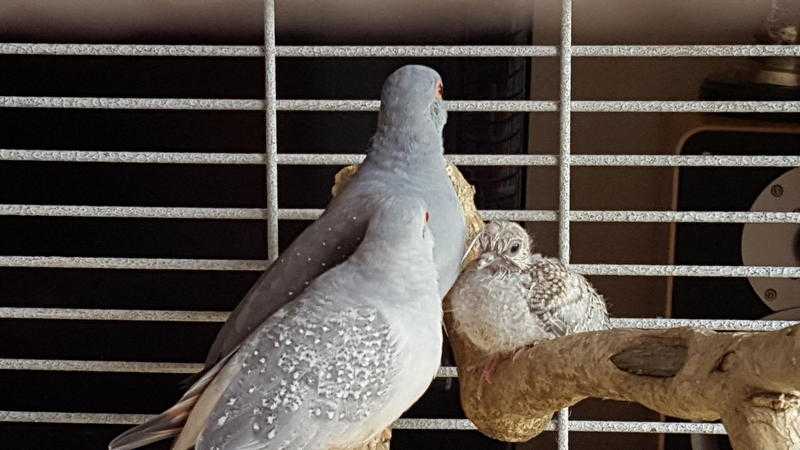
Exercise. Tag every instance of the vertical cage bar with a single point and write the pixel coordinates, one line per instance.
(565, 60)
(271, 154)
(564, 130)
(562, 425)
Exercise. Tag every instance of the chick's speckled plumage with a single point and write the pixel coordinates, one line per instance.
(509, 298)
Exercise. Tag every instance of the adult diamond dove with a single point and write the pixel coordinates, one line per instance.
(340, 363)
(406, 159)
(510, 298)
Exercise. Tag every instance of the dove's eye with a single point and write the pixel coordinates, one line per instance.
(515, 247)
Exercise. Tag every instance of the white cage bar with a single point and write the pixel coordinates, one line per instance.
(564, 170)
(212, 104)
(355, 158)
(405, 51)
(608, 426)
(565, 106)
(271, 119)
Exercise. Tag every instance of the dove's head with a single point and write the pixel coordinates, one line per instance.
(504, 245)
(412, 105)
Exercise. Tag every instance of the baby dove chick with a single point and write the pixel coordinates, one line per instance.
(510, 298)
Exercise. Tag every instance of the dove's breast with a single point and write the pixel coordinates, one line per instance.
(492, 310)
(426, 178)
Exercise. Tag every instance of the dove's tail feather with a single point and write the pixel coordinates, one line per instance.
(164, 426)
(170, 422)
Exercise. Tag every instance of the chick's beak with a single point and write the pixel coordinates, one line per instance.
(486, 259)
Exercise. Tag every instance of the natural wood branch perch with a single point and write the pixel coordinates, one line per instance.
(749, 380)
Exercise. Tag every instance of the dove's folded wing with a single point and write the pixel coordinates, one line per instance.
(549, 295)
(324, 244)
(565, 301)
(314, 373)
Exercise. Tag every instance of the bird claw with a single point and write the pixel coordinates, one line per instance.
(516, 354)
(486, 375)
(489, 368)
(491, 365)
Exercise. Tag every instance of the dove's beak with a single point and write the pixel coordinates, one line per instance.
(486, 259)
(470, 247)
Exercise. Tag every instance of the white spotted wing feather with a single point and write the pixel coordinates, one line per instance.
(564, 301)
(326, 372)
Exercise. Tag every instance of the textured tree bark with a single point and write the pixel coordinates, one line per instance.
(749, 380)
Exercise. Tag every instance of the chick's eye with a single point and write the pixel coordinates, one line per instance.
(514, 248)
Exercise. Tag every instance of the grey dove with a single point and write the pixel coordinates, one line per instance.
(344, 360)
(510, 298)
(405, 158)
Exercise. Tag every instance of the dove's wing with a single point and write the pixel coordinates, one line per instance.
(313, 372)
(564, 301)
(325, 243)
(585, 306)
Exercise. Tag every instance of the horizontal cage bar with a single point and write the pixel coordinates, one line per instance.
(63, 365)
(203, 104)
(405, 424)
(138, 315)
(329, 51)
(417, 51)
(645, 270)
(128, 157)
(82, 262)
(221, 316)
(164, 212)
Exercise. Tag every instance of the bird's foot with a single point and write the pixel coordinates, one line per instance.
(489, 368)
(516, 354)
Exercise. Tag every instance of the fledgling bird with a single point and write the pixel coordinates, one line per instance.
(510, 298)
(405, 159)
(338, 365)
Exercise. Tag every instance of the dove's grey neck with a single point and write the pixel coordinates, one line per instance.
(410, 141)
(403, 264)
(412, 118)
(381, 256)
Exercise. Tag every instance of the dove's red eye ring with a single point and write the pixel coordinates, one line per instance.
(427, 216)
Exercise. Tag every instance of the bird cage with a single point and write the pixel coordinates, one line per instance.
(139, 207)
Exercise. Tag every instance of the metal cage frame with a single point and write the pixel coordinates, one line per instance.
(272, 213)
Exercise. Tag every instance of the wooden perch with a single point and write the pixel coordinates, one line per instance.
(749, 380)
